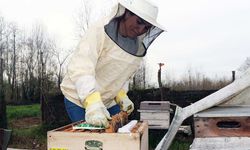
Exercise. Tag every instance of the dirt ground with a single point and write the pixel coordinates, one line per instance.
(25, 122)
(25, 141)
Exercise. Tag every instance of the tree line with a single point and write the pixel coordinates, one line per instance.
(30, 65)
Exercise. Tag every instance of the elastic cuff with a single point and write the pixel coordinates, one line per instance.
(92, 98)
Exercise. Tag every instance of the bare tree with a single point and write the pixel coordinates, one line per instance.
(60, 60)
(24, 72)
(8, 55)
(43, 47)
(13, 30)
(27, 63)
(37, 42)
(83, 17)
(87, 14)
(194, 80)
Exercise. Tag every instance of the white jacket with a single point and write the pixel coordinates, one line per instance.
(98, 64)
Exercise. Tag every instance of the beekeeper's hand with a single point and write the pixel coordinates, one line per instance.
(96, 112)
(125, 103)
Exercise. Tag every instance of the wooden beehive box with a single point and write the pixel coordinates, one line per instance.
(222, 128)
(223, 122)
(66, 138)
(156, 113)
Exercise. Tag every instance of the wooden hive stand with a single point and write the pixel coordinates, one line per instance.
(222, 128)
(156, 113)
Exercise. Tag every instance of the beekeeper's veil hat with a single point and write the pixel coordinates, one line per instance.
(148, 12)
(144, 9)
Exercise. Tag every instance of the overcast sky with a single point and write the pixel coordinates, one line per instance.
(208, 36)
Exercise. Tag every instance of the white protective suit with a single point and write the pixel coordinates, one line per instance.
(101, 64)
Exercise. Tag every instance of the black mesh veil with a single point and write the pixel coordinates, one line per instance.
(137, 47)
(151, 35)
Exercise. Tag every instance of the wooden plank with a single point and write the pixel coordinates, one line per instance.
(160, 127)
(158, 124)
(221, 143)
(143, 130)
(153, 115)
(226, 127)
(153, 111)
(229, 111)
(67, 127)
(155, 105)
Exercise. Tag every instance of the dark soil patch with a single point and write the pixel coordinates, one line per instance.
(24, 123)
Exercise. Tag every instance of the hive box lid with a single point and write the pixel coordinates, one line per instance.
(229, 111)
(155, 105)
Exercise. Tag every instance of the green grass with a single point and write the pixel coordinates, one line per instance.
(28, 135)
(180, 145)
(38, 132)
(22, 111)
(181, 142)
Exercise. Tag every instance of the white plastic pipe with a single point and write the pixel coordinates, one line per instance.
(224, 94)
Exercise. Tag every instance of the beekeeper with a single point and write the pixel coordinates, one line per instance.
(95, 84)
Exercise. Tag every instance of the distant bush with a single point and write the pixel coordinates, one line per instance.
(194, 84)
(194, 80)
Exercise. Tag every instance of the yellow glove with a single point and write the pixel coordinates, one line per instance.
(96, 112)
(125, 103)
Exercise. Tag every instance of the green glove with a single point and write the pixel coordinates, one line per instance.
(96, 112)
(125, 103)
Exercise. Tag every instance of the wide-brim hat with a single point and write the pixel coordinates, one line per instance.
(144, 9)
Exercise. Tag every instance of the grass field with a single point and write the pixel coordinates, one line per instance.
(17, 112)
(28, 133)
